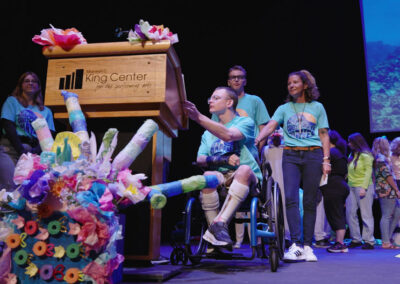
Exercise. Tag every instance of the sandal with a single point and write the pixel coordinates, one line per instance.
(389, 246)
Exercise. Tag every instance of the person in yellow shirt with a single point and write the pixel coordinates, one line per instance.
(361, 192)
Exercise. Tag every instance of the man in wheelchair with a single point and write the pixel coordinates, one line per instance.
(226, 150)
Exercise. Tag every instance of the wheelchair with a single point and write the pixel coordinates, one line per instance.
(266, 221)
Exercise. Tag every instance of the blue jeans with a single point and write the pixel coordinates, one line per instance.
(353, 203)
(301, 169)
(390, 217)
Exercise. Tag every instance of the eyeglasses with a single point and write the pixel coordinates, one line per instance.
(239, 77)
(215, 98)
(30, 81)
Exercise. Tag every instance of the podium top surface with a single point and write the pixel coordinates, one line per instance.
(109, 48)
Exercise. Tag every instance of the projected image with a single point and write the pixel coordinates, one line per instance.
(382, 48)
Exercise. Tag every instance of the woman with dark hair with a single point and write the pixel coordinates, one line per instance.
(305, 157)
(18, 136)
(361, 192)
(387, 190)
(336, 191)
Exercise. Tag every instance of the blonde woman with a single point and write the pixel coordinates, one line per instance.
(387, 190)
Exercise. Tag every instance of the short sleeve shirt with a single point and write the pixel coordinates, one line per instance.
(213, 146)
(11, 110)
(382, 172)
(301, 122)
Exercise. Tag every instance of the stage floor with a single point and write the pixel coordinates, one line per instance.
(356, 266)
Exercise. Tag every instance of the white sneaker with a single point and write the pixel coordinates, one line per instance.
(295, 253)
(309, 254)
(237, 245)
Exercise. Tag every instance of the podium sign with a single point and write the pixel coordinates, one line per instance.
(119, 80)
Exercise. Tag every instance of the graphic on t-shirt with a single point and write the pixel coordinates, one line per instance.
(219, 148)
(24, 121)
(301, 125)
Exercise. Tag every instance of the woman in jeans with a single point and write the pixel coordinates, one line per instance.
(305, 157)
(361, 192)
(18, 136)
(387, 190)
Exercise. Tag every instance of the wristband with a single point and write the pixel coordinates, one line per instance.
(217, 160)
(326, 158)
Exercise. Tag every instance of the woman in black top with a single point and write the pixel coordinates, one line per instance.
(336, 191)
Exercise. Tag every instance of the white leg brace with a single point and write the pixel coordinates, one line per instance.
(236, 194)
(210, 205)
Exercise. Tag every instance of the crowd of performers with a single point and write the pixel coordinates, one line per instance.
(336, 177)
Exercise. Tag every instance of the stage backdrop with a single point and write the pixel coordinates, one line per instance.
(382, 49)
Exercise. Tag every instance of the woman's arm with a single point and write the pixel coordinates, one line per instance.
(324, 137)
(266, 131)
(12, 136)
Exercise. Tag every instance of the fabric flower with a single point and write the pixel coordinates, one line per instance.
(19, 222)
(43, 234)
(66, 39)
(74, 228)
(96, 271)
(59, 251)
(106, 201)
(93, 234)
(26, 165)
(31, 270)
(144, 31)
(36, 188)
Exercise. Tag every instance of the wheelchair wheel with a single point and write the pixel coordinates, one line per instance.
(178, 255)
(278, 220)
(196, 226)
(273, 258)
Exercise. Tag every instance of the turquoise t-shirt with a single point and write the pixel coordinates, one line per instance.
(213, 146)
(253, 107)
(301, 122)
(11, 110)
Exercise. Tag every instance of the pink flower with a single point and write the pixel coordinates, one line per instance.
(96, 271)
(93, 234)
(74, 228)
(66, 39)
(19, 222)
(106, 201)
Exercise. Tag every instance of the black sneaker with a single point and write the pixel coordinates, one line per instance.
(322, 244)
(354, 244)
(367, 246)
(218, 235)
(338, 247)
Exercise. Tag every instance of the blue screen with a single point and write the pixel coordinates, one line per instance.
(381, 24)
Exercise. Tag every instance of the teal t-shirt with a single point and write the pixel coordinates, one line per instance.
(11, 110)
(213, 146)
(253, 107)
(301, 122)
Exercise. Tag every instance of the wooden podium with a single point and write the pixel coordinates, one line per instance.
(124, 80)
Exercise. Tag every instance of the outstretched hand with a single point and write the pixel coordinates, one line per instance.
(191, 110)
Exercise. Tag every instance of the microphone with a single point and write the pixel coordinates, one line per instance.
(120, 33)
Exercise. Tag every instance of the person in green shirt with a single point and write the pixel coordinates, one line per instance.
(361, 195)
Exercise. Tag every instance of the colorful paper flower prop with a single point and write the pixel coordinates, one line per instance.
(144, 31)
(66, 39)
(62, 219)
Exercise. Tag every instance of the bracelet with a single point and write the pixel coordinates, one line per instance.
(326, 158)
(328, 164)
